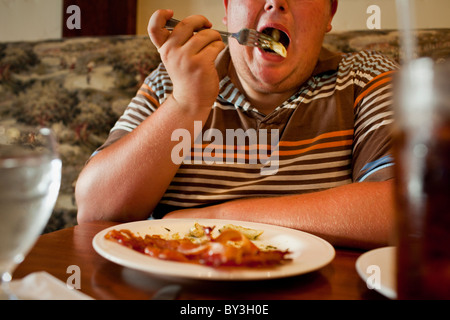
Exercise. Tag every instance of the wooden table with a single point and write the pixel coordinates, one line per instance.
(105, 280)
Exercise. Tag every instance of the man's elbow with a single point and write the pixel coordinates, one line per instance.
(82, 217)
(92, 206)
(83, 211)
(86, 208)
(88, 211)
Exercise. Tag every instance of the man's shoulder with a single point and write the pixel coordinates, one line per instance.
(367, 60)
(373, 62)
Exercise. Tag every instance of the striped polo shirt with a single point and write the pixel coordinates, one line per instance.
(334, 131)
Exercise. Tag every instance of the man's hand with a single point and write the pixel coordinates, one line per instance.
(189, 53)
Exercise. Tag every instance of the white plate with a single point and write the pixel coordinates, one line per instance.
(309, 252)
(379, 266)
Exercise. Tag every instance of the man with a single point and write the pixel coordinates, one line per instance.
(321, 119)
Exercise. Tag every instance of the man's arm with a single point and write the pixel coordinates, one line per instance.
(126, 180)
(355, 215)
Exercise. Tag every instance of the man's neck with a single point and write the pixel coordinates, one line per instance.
(265, 102)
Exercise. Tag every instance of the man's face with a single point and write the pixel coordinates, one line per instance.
(303, 24)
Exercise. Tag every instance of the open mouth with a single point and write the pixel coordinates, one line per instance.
(277, 35)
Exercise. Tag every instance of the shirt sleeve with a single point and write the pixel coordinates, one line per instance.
(374, 117)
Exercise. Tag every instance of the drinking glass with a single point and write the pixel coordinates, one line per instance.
(422, 150)
(30, 177)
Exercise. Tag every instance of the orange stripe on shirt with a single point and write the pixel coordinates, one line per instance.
(319, 137)
(232, 147)
(148, 96)
(219, 151)
(372, 87)
(327, 135)
(324, 145)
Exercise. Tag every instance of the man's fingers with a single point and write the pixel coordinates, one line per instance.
(186, 28)
(204, 40)
(156, 27)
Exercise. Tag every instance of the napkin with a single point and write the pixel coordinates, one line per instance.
(44, 286)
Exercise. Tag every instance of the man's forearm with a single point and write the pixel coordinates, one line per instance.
(356, 215)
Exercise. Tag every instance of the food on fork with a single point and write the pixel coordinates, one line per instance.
(278, 48)
(277, 45)
(231, 248)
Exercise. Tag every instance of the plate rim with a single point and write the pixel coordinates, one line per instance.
(387, 291)
(213, 274)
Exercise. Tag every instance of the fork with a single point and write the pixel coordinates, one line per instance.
(245, 37)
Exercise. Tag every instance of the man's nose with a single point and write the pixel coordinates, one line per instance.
(276, 5)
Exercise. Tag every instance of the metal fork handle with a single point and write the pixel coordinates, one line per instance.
(170, 25)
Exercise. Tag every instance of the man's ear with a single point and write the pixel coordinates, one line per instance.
(225, 18)
(334, 6)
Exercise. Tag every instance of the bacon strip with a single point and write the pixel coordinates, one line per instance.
(231, 248)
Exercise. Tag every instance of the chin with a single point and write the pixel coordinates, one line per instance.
(268, 81)
(265, 87)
